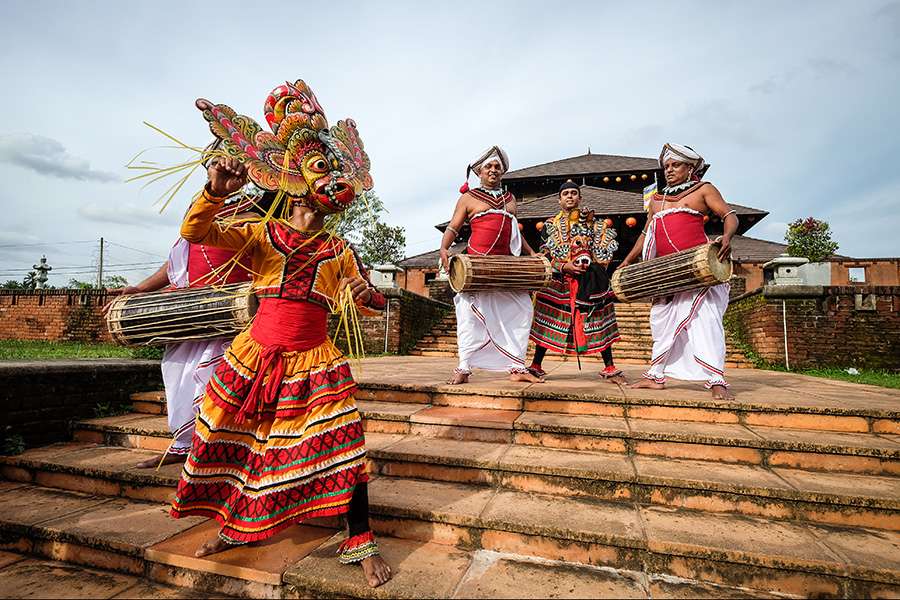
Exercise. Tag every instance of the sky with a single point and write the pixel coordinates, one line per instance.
(795, 105)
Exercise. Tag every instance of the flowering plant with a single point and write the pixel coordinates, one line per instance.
(810, 238)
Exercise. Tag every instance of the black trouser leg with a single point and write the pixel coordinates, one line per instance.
(358, 512)
(607, 356)
(539, 353)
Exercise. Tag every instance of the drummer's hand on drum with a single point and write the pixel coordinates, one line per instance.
(725, 250)
(226, 176)
(125, 291)
(359, 288)
(445, 259)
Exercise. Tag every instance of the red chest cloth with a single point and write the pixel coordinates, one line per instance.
(281, 326)
(490, 234)
(203, 260)
(679, 231)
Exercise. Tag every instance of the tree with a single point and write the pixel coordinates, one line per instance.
(361, 215)
(382, 244)
(811, 239)
(30, 281)
(110, 282)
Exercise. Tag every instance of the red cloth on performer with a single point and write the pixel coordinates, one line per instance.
(281, 326)
(203, 260)
(679, 231)
(491, 233)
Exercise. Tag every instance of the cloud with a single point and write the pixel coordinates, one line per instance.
(127, 214)
(17, 237)
(48, 157)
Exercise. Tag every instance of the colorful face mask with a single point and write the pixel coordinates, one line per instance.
(324, 168)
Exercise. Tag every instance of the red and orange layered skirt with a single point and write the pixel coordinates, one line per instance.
(279, 439)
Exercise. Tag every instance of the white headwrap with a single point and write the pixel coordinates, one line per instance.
(684, 154)
(492, 153)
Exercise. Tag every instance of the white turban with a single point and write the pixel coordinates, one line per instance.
(492, 153)
(684, 154)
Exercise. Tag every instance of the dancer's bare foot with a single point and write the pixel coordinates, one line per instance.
(525, 377)
(213, 546)
(720, 392)
(377, 571)
(168, 459)
(648, 384)
(458, 378)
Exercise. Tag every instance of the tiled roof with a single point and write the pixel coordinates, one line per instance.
(587, 164)
(429, 259)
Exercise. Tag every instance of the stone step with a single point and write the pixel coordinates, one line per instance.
(31, 577)
(828, 498)
(139, 537)
(300, 563)
(731, 443)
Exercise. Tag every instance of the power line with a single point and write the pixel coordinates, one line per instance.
(47, 244)
(135, 249)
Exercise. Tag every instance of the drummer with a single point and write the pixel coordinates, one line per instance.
(491, 327)
(688, 334)
(187, 366)
(575, 313)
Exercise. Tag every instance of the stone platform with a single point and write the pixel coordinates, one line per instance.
(570, 488)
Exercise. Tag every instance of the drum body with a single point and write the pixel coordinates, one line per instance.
(171, 316)
(470, 273)
(683, 271)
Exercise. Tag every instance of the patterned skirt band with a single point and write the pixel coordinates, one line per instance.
(357, 548)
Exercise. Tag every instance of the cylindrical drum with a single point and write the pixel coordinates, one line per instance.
(472, 273)
(201, 313)
(690, 269)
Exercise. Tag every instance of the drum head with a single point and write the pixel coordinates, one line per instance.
(457, 273)
(720, 270)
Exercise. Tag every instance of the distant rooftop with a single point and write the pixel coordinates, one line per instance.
(586, 164)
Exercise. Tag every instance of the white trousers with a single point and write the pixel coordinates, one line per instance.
(492, 330)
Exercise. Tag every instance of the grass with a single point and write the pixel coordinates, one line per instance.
(886, 379)
(39, 350)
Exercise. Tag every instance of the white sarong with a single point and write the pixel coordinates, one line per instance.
(492, 327)
(187, 366)
(688, 334)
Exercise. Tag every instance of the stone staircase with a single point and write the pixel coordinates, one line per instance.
(633, 348)
(494, 489)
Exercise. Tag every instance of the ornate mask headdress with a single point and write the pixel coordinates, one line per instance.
(324, 168)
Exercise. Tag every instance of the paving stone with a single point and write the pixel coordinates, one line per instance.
(868, 552)
(690, 431)
(8, 558)
(449, 502)
(31, 505)
(49, 452)
(115, 421)
(45, 579)
(572, 463)
(469, 417)
(122, 525)
(399, 411)
(264, 562)
(803, 439)
(150, 589)
(8, 486)
(867, 488)
(567, 518)
(685, 590)
(505, 578)
(420, 570)
(735, 538)
(451, 452)
(693, 474)
(573, 424)
(378, 441)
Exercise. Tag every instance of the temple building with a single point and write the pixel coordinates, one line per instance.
(612, 186)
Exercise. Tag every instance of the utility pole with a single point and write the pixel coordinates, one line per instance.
(100, 267)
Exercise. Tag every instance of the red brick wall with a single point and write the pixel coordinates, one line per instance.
(54, 315)
(823, 330)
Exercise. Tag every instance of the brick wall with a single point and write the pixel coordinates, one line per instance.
(54, 315)
(836, 326)
(39, 399)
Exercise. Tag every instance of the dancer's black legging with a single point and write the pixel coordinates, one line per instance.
(358, 511)
(541, 351)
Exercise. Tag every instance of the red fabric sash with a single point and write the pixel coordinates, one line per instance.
(281, 326)
(203, 260)
(490, 234)
(679, 231)
(579, 336)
